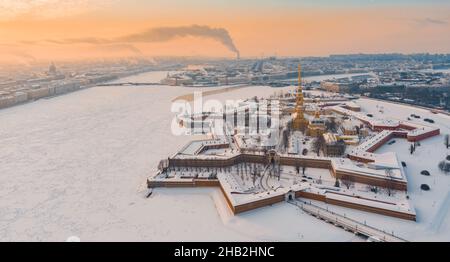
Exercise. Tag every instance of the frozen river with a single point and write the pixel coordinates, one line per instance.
(75, 165)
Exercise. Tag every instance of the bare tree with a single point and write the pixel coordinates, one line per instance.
(331, 125)
(390, 185)
(441, 165)
(347, 181)
(278, 172)
(285, 139)
(336, 183)
(358, 130)
(289, 126)
(342, 147)
(318, 144)
(319, 181)
(373, 189)
(444, 166)
(300, 166)
(304, 151)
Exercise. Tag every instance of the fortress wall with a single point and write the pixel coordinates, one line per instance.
(249, 158)
(276, 199)
(258, 203)
(356, 206)
(309, 195)
(290, 161)
(372, 209)
(423, 136)
(374, 181)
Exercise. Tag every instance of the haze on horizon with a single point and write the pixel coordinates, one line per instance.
(78, 29)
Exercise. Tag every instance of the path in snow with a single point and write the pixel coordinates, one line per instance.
(441, 214)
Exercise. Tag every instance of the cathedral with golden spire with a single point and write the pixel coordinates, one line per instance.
(300, 123)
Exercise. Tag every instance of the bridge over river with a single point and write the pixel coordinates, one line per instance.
(346, 223)
(130, 84)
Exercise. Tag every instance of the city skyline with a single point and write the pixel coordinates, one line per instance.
(41, 30)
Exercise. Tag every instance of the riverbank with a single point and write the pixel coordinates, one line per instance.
(408, 104)
(30, 95)
(190, 97)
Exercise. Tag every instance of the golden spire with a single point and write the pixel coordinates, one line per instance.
(299, 105)
(300, 122)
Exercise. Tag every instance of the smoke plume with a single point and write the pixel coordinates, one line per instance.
(160, 34)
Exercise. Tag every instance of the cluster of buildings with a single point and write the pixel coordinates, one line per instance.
(326, 134)
(346, 84)
(214, 76)
(17, 87)
(420, 79)
(270, 71)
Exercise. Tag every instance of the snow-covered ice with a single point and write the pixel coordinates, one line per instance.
(75, 166)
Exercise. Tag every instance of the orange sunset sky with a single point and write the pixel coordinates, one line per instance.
(51, 29)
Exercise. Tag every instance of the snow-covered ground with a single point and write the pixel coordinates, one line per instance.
(75, 165)
(432, 207)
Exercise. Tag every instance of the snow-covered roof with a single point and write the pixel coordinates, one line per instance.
(377, 169)
(196, 146)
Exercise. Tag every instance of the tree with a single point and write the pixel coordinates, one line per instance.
(358, 130)
(289, 126)
(341, 146)
(254, 176)
(441, 166)
(331, 125)
(447, 141)
(347, 182)
(373, 189)
(318, 144)
(319, 181)
(444, 166)
(390, 185)
(285, 139)
(336, 183)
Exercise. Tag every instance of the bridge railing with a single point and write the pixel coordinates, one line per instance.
(346, 222)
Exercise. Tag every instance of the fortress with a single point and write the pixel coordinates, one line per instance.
(252, 174)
